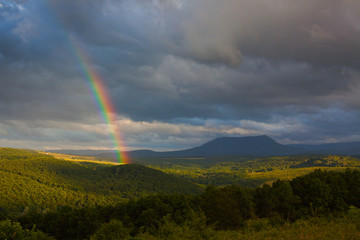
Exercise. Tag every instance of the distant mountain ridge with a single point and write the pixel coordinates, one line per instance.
(236, 146)
(345, 148)
(233, 146)
(252, 146)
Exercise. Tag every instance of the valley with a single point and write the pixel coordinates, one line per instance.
(71, 196)
(248, 171)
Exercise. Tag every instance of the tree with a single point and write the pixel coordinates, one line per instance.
(113, 230)
(14, 231)
(264, 201)
(285, 202)
(227, 207)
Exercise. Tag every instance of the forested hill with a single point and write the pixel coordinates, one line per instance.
(30, 180)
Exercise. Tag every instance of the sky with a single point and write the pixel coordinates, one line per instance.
(179, 72)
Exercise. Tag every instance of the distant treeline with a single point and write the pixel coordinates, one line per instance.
(318, 194)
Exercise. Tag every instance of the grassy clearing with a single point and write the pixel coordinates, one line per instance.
(76, 158)
(286, 174)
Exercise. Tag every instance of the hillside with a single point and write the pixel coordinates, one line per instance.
(319, 205)
(30, 180)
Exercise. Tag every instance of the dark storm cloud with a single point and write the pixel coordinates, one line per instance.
(288, 69)
(256, 88)
(38, 77)
(318, 32)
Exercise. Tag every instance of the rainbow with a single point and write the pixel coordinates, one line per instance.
(102, 100)
(97, 89)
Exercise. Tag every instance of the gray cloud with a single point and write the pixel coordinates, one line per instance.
(320, 32)
(284, 68)
(257, 85)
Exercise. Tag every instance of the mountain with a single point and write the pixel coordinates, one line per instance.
(253, 146)
(237, 146)
(223, 146)
(240, 146)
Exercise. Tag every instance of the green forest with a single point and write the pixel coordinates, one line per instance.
(247, 171)
(294, 197)
(33, 181)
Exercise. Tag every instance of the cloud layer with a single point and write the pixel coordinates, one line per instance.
(179, 72)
